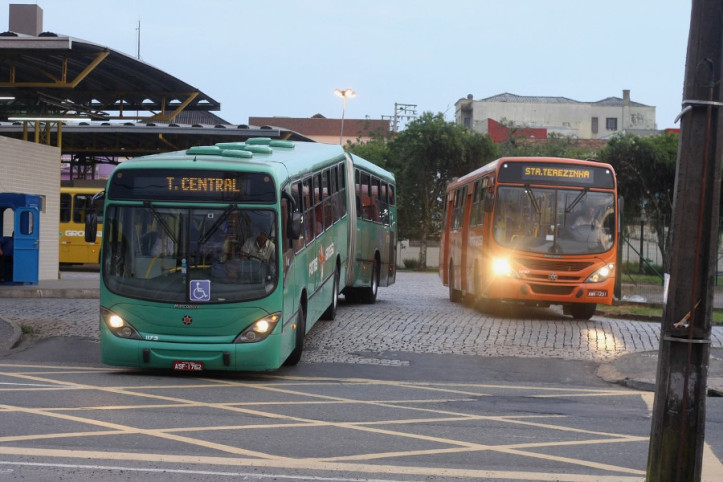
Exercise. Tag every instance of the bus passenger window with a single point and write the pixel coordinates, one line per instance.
(376, 195)
(366, 200)
(65, 207)
(308, 212)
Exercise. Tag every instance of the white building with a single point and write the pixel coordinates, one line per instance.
(560, 115)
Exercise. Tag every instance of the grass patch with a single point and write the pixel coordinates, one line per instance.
(27, 330)
(654, 312)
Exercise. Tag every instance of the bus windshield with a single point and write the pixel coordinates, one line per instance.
(187, 255)
(554, 221)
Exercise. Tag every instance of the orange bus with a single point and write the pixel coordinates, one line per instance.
(532, 230)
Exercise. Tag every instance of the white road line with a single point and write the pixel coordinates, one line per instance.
(247, 475)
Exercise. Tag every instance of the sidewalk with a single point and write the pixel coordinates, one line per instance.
(634, 370)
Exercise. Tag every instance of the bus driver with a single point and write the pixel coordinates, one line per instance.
(260, 247)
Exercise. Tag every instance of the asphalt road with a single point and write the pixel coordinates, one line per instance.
(411, 388)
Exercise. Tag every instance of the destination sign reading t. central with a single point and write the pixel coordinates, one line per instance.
(192, 185)
(208, 184)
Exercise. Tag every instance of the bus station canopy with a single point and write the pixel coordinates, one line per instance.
(90, 100)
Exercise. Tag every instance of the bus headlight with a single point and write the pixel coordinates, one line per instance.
(259, 329)
(502, 267)
(601, 274)
(118, 326)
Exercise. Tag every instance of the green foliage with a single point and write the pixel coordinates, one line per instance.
(645, 168)
(411, 264)
(425, 157)
(375, 150)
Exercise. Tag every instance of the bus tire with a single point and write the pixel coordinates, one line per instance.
(369, 295)
(582, 311)
(455, 296)
(295, 355)
(330, 312)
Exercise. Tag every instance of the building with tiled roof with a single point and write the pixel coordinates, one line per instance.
(329, 131)
(559, 115)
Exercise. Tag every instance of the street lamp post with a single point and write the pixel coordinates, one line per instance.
(343, 94)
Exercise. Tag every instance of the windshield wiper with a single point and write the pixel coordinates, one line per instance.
(575, 201)
(161, 220)
(214, 227)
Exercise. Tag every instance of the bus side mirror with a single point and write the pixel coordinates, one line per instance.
(293, 226)
(489, 202)
(91, 227)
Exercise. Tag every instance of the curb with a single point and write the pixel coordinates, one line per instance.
(15, 337)
(78, 293)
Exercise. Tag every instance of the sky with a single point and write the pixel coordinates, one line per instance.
(285, 58)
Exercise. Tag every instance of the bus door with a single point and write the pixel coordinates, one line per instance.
(26, 244)
(464, 268)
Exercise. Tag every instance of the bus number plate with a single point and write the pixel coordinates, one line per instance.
(187, 366)
(597, 293)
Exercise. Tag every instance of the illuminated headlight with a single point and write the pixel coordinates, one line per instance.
(502, 267)
(118, 326)
(259, 329)
(601, 274)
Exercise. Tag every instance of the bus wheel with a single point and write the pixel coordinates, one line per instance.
(295, 355)
(370, 294)
(455, 296)
(330, 312)
(582, 311)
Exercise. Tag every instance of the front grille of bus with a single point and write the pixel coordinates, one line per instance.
(556, 265)
(551, 289)
(545, 277)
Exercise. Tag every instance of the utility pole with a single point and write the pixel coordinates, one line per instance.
(678, 425)
(401, 111)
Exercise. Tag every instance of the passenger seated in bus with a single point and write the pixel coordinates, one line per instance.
(163, 245)
(6, 257)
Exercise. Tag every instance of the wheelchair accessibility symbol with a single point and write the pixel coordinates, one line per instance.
(200, 290)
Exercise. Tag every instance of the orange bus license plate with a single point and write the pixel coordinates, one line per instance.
(597, 293)
(188, 366)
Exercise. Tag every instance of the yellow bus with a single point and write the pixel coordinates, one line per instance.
(75, 201)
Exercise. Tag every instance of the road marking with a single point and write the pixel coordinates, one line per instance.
(303, 464)
(299, 387)
(246, 475)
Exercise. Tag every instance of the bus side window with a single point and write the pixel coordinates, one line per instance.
(287, 252)
(65, 207)
(366, 200)
(308, 211)
(342, 190)
(318, 207)
(80, 206)
(376, 197)
(297, 194)
(383, 204)
(326, 192)
(334, 189)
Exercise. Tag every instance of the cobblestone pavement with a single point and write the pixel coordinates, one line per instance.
(414, 315)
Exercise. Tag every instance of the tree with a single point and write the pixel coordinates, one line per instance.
(375, 150)
(425, 157)
(645, 168)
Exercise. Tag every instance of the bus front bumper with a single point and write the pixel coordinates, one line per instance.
(264, 355)
(519, 290)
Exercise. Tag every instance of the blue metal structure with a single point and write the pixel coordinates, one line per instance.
(22, 265)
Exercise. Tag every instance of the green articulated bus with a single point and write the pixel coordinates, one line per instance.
(223, 257)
